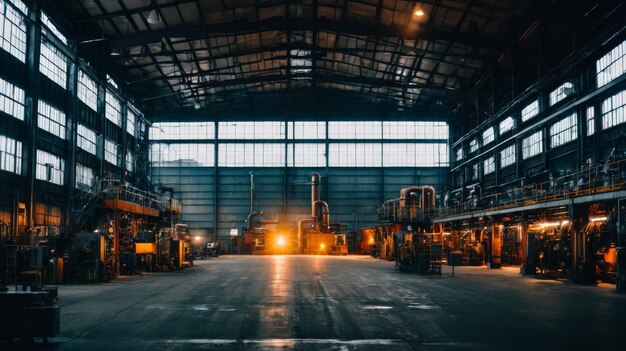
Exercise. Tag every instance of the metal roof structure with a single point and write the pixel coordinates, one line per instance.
(231, 56)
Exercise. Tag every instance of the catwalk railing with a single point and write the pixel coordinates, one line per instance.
(597, 179)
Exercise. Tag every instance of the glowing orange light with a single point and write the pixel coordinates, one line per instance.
(322, 246)
(280, 241)
(371, 240)
(419, 13)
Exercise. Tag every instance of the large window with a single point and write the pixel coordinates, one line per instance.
(10, 155)
(591, 124)
(474, 145)
(306, 155)
(415, 155)
(561, 93)
(131, 120)
(307, 130)
(187, 155)
(532, 145)
(182, 131)
(459, 154)
(49, 26)
(564, 131)
(530, 111)
(88, 90)
(86, 139)
(13, 28)
(111, 152)
(475, 171)
(506, 125)
(355, 130)
(11, 100)
(84, 177)
(415, 130)
(53, 64)
(488, 136)
(251, 155)
(50, 168)
(51, 119)
(614, 110)
(489, 165)
(130, 161)
(611, 65)
(251, 130)
(113, 111)
(507, 156)
(355, 155)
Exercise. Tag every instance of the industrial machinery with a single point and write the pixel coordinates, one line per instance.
(317, 234)
(405, 234)
(174, 248)
(596, 249)
(549, 249)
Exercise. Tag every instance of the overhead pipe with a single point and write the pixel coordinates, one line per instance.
(404, 194)
(251, 216)
(324, 216)
(251, 192)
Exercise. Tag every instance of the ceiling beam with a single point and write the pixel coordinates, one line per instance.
(130, 12)
(200, 31)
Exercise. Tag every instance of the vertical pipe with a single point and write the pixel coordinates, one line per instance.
(251, 192)
(315, 193)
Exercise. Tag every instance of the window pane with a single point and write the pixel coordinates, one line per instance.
(182, 131)
(182, 155)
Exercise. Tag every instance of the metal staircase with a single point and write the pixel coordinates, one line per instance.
(84, 204)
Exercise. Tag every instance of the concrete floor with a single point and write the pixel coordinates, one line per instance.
(336, 303)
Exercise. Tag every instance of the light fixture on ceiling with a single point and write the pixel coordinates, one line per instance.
(116, 52)
(419, 13)
(197, 106)
(153, 16)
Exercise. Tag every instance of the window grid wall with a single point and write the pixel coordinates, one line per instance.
(355, 155)
(473, 145)
(560, 93)
(131, 120)
(355, 130)
(251, 155)
(532, 145)
(188, 155)
(85, 177)
(306, 130)
(507, 156)
(45, 20)
(111, 152)
(88, 90)
(564, 131)
(506, 125)
(489, 165)
(488, 136)
(415, 130)
(531, 110)
(182, 131)
(591, 124)
(130, 163)
(51, 119)
(53, 64)
(614, 110)
(415, 155)
(306, 155)
(13, 28)
(50, 168)
(86, 139)
(113, 110)
(611, 65)
(12, 100)
(10, 155)
(251, 130)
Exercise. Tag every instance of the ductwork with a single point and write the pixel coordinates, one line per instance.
(324, 215)
(423, 191)
(251, 216)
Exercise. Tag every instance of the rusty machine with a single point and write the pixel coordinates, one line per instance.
(406, 234)
(317, 234)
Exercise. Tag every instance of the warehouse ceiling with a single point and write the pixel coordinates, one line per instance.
(217, 56)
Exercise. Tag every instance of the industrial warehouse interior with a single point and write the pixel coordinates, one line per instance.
(312, 175)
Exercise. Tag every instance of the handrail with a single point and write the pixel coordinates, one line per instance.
(601, 178)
